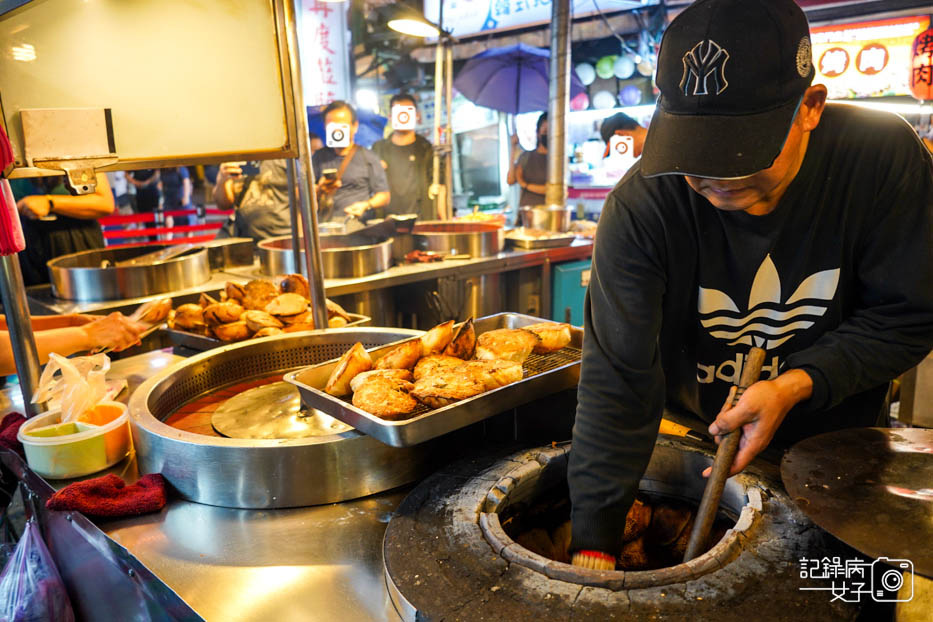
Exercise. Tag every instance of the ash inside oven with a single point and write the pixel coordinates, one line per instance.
(655, 533)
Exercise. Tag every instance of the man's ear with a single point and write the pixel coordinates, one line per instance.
(812, 106)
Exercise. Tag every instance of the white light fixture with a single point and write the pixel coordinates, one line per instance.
(24, 52)
(413, 27)
(367, 99)
(895, 107)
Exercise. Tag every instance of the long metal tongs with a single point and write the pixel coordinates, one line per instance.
(722, 464)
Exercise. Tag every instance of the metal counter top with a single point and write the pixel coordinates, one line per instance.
(501, 262)
(42, 301)
(413, 273)
(313, 563)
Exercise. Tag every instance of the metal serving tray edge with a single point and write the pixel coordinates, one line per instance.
(202, 343)
(437, 422)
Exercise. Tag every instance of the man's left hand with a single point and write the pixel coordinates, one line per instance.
(357, 209)
(759, 413)
(33, 207)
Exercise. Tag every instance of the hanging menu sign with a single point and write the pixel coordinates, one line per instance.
(322, 41)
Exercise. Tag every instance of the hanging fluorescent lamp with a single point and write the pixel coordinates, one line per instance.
(407, 21)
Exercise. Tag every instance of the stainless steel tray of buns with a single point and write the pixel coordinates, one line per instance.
(520, 237)
(544, 374)
(202, 343)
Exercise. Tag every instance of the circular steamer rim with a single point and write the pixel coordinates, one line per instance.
(266, 473)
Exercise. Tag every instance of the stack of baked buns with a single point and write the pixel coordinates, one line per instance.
(443, 366)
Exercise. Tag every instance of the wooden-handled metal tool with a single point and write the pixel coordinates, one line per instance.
(722, 464)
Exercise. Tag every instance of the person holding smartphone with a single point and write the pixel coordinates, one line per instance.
(258, 191)
(351, 180)
(55, 223)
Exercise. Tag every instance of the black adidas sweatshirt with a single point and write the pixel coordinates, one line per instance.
(837, 281)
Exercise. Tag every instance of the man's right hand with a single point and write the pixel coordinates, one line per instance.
(113, 331)
(231, 170)
(328, 186)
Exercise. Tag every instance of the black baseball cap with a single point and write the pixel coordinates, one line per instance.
(731, 74)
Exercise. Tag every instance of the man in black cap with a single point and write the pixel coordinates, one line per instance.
(757, 216)
(620, 124)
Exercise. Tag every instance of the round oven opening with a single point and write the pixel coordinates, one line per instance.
(526, 519)
(447, 555)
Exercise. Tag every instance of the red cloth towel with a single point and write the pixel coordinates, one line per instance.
(9, 427)
(6, 151)
(11, 230)
(109, 496)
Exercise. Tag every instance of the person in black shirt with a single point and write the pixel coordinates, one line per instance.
(175, 184)
(757, 216)
(408, 159)
(146, 181)
(530, 169)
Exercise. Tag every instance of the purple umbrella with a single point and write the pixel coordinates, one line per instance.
(512, 79)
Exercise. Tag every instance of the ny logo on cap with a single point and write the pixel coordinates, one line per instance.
(702, 66)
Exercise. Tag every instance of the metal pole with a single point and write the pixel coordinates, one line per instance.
(449, 134)
(558, 104)
(307, 200)
(293, 214)
(22, 341)
(438, 78)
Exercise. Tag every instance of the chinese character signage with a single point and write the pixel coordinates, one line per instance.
(470, 17)
(322, 34)
(921, 70)
(867, 59)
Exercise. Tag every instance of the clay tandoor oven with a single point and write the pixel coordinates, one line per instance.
(447, 556)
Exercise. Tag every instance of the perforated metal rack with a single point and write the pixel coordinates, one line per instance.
(543, 374)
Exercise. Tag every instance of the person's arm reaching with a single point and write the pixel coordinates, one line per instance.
(536, 188)
(514, 153)
(890, 329)
(185, 187)
(113, 331)
(85, 207)
(621, 392)
(45, 322)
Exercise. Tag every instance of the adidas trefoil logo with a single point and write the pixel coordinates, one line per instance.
(768, 322)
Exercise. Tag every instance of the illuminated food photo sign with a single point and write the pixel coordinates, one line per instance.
(866, 59)
(464, 18)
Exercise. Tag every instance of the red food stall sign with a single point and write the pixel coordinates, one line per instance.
(921, 67)
(872, 59)
(866, 59)
(833, 62)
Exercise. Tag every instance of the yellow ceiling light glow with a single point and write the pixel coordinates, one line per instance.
(24, 52)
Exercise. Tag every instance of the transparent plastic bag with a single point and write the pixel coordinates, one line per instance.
(31, 590)
(80, 385)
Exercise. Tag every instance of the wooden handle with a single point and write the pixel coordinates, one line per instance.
(722, 464)
(754, 360)
(674, 429)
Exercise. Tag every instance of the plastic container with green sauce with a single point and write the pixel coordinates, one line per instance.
(64, 450)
